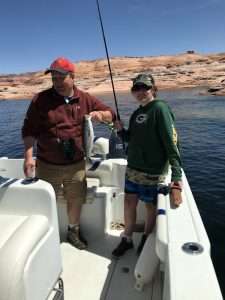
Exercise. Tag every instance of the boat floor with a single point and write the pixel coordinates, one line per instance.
(93, 274)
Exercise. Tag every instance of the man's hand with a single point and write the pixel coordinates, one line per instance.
(29, 163)
(96, 116)
(176, 193)
(101, 116)
(29, 167)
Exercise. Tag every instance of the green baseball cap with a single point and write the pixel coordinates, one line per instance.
(144, 79)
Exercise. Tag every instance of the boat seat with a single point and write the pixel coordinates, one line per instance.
(110, 172)
(34, 227)
(30, 258)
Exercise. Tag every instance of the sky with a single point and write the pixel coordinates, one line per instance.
(34, 33)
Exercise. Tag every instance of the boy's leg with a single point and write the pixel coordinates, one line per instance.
(150, 218)
(130, 213)
(130, 206)
(149, 196)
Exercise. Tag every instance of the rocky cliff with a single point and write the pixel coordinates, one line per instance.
(186, 70)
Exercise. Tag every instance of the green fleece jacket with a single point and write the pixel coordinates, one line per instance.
(152, 140)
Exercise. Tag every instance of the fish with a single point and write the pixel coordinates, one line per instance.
(88, 137)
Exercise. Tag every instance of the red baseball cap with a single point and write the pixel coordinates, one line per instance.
(62, 65)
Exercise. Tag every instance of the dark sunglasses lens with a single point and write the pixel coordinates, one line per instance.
(138, 88)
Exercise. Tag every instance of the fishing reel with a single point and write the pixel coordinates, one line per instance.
(117, 147)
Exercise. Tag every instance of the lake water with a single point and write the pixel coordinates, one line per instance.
(201, 125)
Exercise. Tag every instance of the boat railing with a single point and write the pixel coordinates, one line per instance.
(183, 248)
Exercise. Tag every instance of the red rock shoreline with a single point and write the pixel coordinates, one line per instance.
(188, 70)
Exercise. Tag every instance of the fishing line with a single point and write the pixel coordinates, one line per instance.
(116, 144)
(107, 55)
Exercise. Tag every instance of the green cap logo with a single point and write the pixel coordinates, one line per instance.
(145, 79)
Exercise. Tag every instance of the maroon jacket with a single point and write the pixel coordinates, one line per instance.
(50, 121)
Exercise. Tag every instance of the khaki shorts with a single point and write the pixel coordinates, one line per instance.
(67, 180)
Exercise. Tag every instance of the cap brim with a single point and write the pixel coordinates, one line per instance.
(56, 70)
(47, 71)
(140, 83)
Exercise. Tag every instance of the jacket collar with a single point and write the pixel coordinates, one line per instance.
(76, 94)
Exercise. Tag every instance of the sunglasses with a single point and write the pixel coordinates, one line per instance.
(140, 87)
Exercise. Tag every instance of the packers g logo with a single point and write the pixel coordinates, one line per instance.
(141, 118)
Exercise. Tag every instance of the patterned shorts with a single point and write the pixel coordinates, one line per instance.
(143, 184)
(143, 178)
(146, 193)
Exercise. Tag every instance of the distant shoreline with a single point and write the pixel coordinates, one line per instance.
(171, 72)
(201, 91)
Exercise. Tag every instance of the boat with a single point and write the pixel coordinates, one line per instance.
(37, 263)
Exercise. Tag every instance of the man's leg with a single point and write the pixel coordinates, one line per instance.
(74, 235)
(75, 188)
(74, 211)
(51, 174)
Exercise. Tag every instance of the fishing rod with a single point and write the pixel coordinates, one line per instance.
(107, 54)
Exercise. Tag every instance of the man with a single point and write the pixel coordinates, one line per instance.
(152, 145)
(54, 121)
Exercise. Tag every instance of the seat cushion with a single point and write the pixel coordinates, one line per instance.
(9, 224)
(21, 235)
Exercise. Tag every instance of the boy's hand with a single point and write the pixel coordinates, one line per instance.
(118, 125)
(176, 193)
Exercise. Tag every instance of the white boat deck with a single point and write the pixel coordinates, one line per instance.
(93, 274)
(181, 244)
